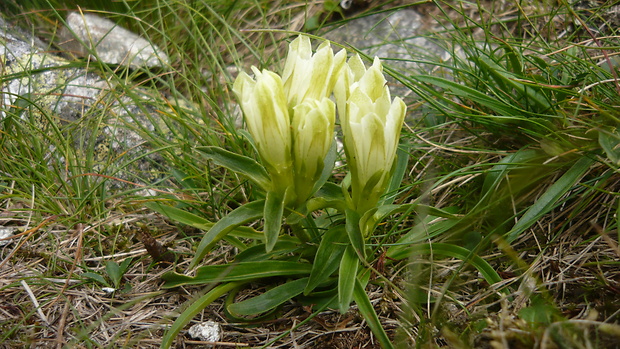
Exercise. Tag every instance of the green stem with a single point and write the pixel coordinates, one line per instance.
(195, 308)
(299, 231)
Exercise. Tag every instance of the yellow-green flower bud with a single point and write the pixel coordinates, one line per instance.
(266, 114)
(308, 76)
(312, 134)
(371, 124)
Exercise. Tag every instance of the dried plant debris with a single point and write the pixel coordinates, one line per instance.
(156, 250)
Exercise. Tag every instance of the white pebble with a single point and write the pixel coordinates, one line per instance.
(208, 331)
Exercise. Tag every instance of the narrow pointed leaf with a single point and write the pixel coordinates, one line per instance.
(550, 198)
(270, 299)
(274, 208)
(180, 216)
(355, 233)
(368, 312)
(244, 214)
(346, 278)
(328, 167)
(242, 271)
(400, 168)
(257, 252)
(328, 257)
(240, 164)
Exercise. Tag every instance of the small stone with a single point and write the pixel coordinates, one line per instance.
(4, 234)
(112, 44)
(208, 331)
(108, 290)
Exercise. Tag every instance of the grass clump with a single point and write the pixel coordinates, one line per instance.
(507, 229)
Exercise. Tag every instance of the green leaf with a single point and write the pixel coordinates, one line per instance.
(240, 164)
(328, 257)
(347, 277)
(330, 195)
(180, 216)
(241, 271)
(355, 234)
(539, 312)
(398, 173)
(268, 300)
(549, 199)
(368, 312)
(257, 252)
(195, 307)
(274, 209)
(241, 215)
(114, 272)
(96, 277)
(182, 178)
(125, 264)
(328, 167)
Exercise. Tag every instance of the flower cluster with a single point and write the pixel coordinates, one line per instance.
(291, 118)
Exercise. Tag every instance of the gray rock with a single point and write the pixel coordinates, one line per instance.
(48, 91)
(396, 38)
(87, 33)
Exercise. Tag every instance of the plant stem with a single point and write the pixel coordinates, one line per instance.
(300, 232)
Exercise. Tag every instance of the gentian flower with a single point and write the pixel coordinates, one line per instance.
(371, 123)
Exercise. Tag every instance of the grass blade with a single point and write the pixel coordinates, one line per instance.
(487, 271)
(546, 202)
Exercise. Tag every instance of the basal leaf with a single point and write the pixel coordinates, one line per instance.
(328, 257)
(274, 209)
(346, 278)
(354, 231)
(180, 216)
(195, 307)
(368, 312)
(241, 271)
(238, 163)
(270, 299)
(257, 252)
(243, 214)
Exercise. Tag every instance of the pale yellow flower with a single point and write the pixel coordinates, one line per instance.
(371, 124)
(266, 114)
